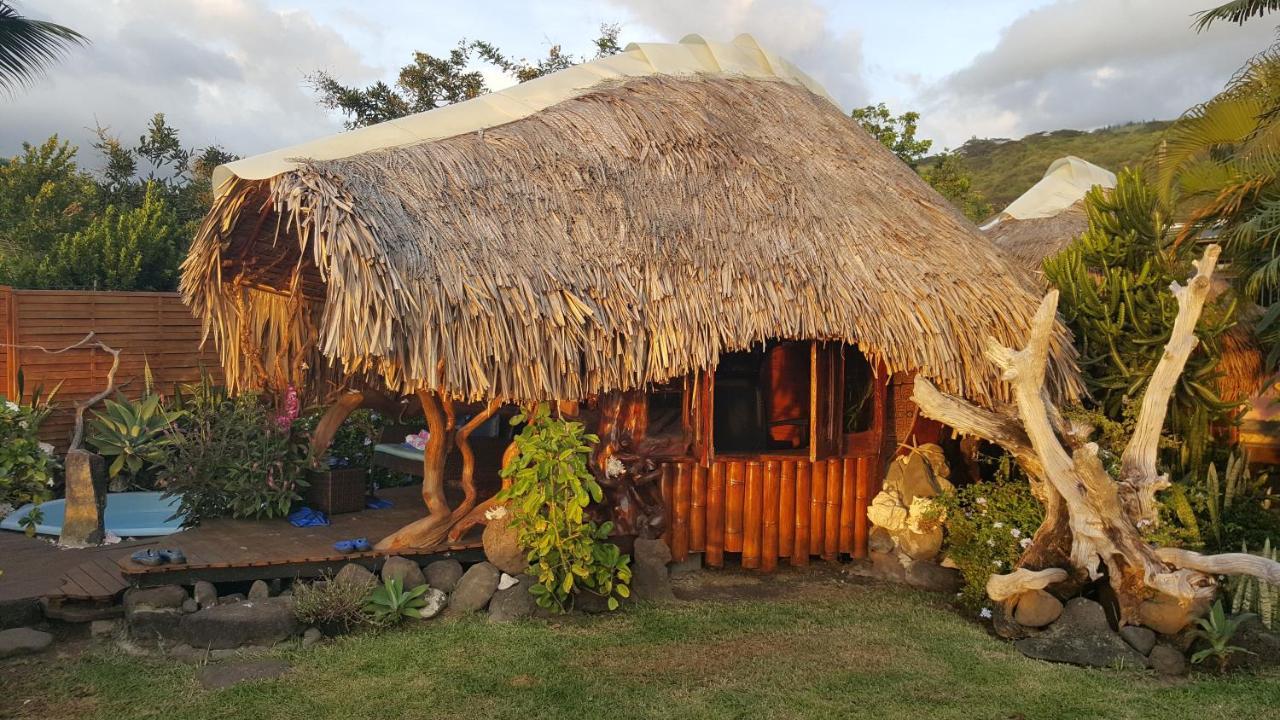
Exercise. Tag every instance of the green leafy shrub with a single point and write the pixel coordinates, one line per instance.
(228, 456)
(334, 605)
(988, 525)
(550, 490)
(131, 434)
(1217, 630)
(27, 466)
(390, 603)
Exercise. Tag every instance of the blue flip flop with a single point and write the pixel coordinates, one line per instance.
(174, 556)
(147, 557)
(353, 546)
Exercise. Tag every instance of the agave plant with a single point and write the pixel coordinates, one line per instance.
(1217, 630)
(390, 603)
(131, 432)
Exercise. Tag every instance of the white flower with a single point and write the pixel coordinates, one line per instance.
(981, 501)
(497, 512)
(23, 424)
(614, 467)
(997, 524)
(12, 407)
(1025, 543)
(985, 614)
(1015, 532)
(998, 563)
(46, 448)
(49, 482)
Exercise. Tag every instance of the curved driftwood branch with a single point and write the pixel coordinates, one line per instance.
(462, 439)
(1003, 587)
(432, 529)
(477, 515)
(1223, 564)
(88, 341)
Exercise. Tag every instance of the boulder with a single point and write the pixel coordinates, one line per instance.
(311, 637)
(259, 590)
(231, 599)
(404, 570)
(502, 543)
(154, 613)
(1168, 660)
(475, 588)
(23, 641)
(1082, 636)
(262, 622)
(190, 605)
(888, 511)
(921, 545)
(922, 473)
(1167, 616)
(444, 574)
(205, 593)
(879, 540)
(513, 603)
(1139, 638)
(356, 574)
(650, 578)
(221, 675)
(435, 601)
(164, 596)
(932, 577)
(887, 566)
(1036, 609)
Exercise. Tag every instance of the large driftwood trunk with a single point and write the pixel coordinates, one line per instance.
(1093, 522)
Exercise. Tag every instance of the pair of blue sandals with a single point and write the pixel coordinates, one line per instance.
(159, 557)
(353, 545)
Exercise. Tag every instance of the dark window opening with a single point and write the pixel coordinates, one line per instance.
(762, 399)
(666, 410)
(859, 392)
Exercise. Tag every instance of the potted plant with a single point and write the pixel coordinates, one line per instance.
(338, 482)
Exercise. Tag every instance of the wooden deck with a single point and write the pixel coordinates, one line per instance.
(217, 550)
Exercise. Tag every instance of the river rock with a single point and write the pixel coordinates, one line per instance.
(1167, 616)
(1082, 636)
(404, 570)
(23, 641)
(436, 600)
(475, 588)
(355, 574)
(1168, 660)
(164, 596)
(921, 545)
(1139, 638)
(502, 544)
(205, 593)
(311, 637)
(513, 603)
(259, 590)
(932, 577)
(650, 577)
(1036, 609)
(444, 574)
(262, 622)
(879, 540)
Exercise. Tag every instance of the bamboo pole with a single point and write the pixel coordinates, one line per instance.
(668, 487)
(817, 507)
(715, 516)
(752, 508)
(831, 537)
(698, 511)
(848, 503)
(787, 510)
(862, 498)
(769, 511)
(683, 500)
(734, 502)
(800, 549)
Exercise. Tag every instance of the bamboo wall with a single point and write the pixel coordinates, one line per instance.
(769, 509)
(155, 328)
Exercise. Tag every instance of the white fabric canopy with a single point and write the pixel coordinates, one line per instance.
(1063, 185)
(691, 56)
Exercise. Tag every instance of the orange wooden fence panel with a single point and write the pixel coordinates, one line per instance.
(154, 329)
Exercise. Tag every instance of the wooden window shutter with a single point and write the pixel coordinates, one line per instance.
(701, 413)
(826, 374)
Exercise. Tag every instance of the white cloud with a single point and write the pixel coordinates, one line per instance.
(224, 71)
(1087, 63)
(799, 30)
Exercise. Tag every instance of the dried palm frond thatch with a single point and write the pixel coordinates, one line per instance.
(627, 235)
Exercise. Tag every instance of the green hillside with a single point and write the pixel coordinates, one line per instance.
(1003, 169)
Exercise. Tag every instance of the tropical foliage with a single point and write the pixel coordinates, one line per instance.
(28, 46)
(131, 434)
(1216, 631)
(27, 465)
(548, 496)
(391, 602)
(950, 178)
(896, 132)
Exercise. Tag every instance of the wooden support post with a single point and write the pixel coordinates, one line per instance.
(715, 516)
(848, 503)
(683, 501)
(862, 498)
(835, 482)
(817, 507)
(800, 549)
(435, 526)
(698, 510)
(668, 489)
(752, 515)
(734, 505)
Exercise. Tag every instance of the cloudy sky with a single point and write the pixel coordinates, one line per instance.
(231, 71)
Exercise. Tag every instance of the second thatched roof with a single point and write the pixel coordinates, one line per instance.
(625, 235)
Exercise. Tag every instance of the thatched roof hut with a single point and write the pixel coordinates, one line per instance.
(616, 224)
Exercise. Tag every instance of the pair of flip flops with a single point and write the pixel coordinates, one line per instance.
(159, 557)
(306, 517)
(353, 545)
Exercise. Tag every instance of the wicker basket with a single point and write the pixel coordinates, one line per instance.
(337, 491)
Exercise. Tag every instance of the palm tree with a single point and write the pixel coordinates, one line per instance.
(28, 46)
(1236, 11)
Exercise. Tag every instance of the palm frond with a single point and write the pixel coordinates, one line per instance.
(29, 46)
(1237, 11)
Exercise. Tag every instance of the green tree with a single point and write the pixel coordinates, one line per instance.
(898, 133)
(953, 181)
(1237, 11)
(43, 196)
(1114, 283)
(28, 46)
(122, 249)
(433, 81)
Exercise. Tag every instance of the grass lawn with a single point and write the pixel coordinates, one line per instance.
(798, 646)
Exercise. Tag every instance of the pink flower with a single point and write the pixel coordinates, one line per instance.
(286, 418)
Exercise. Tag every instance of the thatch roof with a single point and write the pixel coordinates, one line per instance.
(626, 235)
(1028, 243)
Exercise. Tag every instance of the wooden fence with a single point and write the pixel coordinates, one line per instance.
(153, 329)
